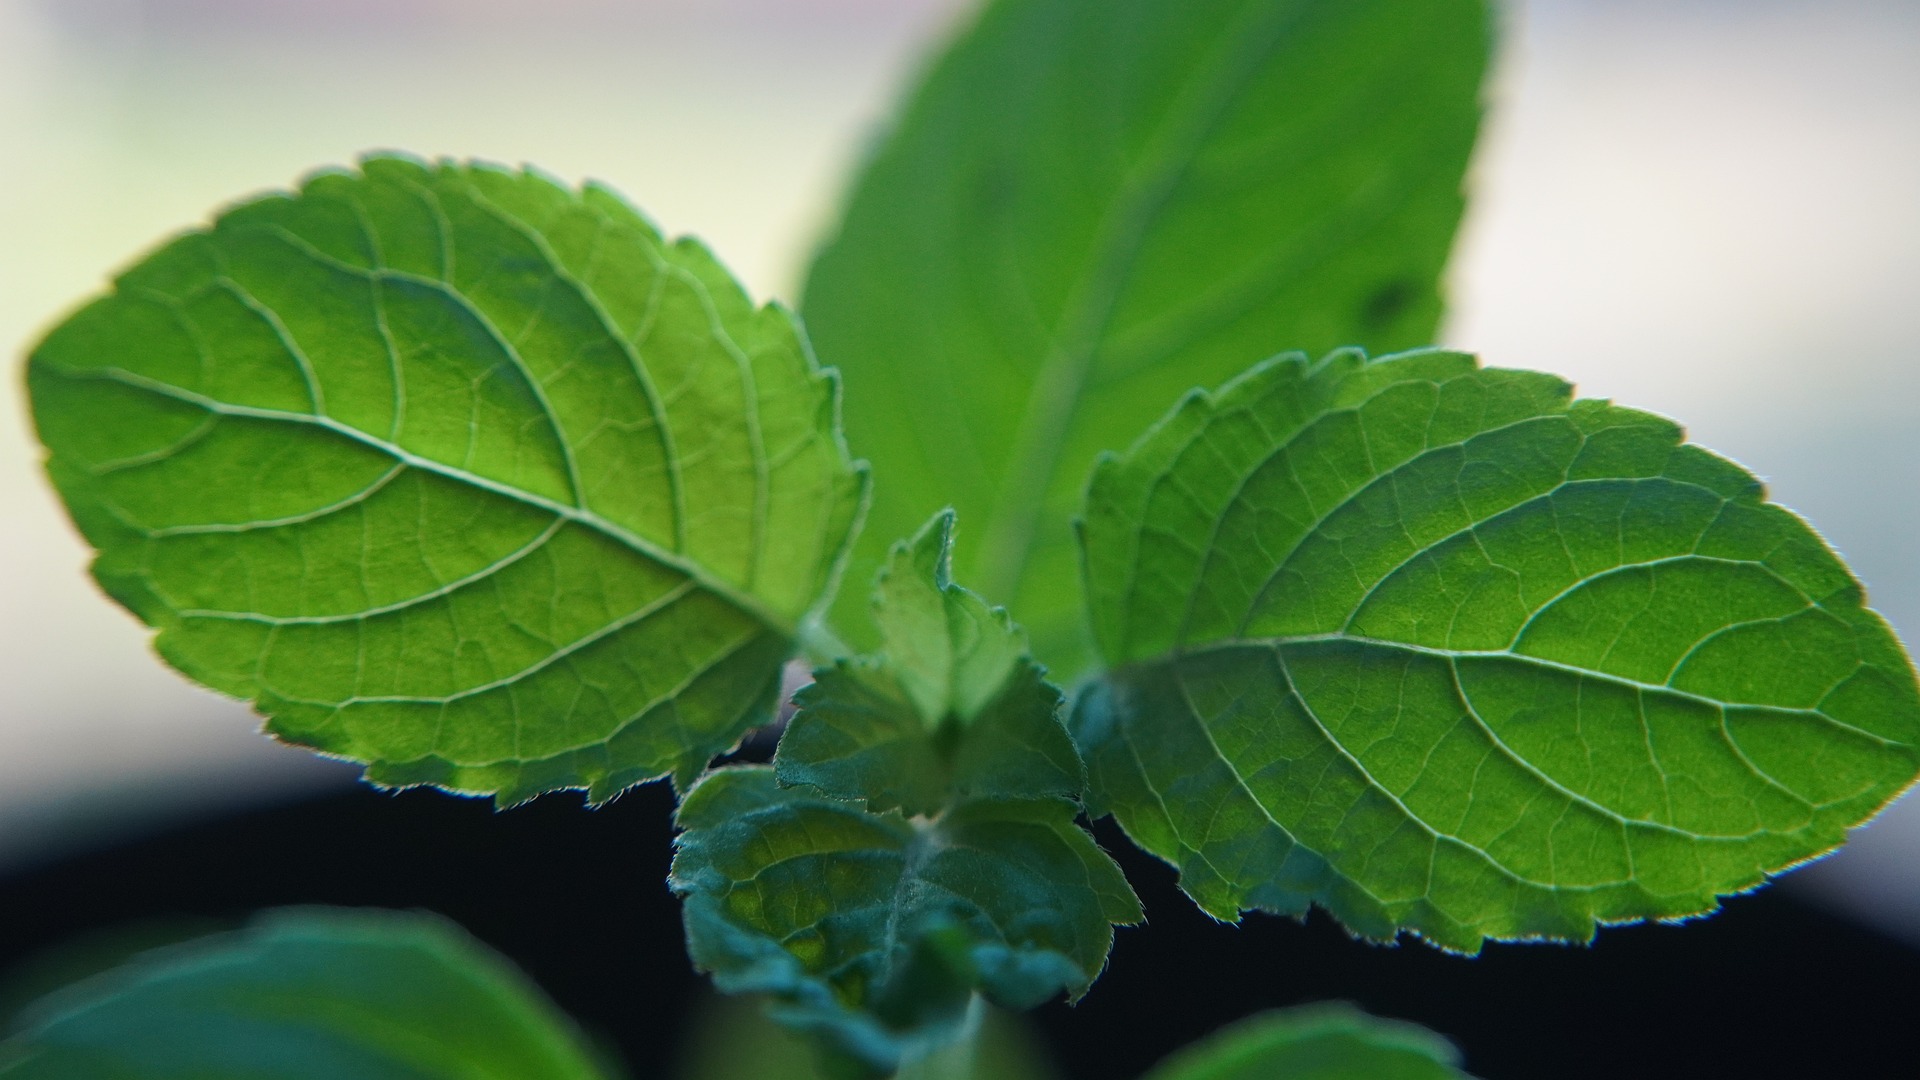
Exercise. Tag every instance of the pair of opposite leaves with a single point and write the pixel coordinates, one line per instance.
(479, 482)
(579, 494)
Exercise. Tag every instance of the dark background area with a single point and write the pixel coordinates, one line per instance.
(1770, 987)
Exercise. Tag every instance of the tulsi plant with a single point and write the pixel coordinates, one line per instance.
(483, 483)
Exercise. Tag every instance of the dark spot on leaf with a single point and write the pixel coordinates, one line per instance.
(1385, 305)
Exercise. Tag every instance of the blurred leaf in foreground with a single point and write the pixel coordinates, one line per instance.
(306, 994)
(1316, 1042)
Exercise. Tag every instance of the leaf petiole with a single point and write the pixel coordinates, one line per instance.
(956, 1060)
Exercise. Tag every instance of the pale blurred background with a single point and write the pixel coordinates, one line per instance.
(1708, 208)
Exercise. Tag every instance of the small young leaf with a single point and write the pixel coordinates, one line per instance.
(305, 995)
(1088, 208)
(1316, 1042)
(950, 652)
(873, 931)
(951, 708)
(1444, 651)
(455, 473)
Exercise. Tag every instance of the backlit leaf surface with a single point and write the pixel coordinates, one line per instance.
(873, 931)
(1316, 1042)
(951, 708)
(305, 995)
(1445, 651)
(456, 473)
(1087, 209)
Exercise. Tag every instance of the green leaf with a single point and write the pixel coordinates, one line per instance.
(1087, 209)
(873, 931)
(951, 709)
(310, 994)
(458, 474)
(950, 653)
(1444, 651)
(1316, 1042)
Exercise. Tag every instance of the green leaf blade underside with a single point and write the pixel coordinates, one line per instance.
(306, 995)
(455, 473)
(872, 931)
(1087, 209)
(1446, 652)
(1316, 1042)
(950, 709)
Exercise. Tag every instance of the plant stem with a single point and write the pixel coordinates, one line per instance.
(819, 644)
(954, 1061)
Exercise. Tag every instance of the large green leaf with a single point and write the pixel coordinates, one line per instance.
(873, 931)
(455, 473)
(950, 709)
(305, 995)
(1316, 1042)
(1444, 651)
(1087, 209)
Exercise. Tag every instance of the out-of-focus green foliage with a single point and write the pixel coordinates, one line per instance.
(735, 1040)
(1086, 209)
(1316, 1042)
(305, 994)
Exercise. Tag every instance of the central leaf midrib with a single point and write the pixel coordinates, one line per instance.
(448, 290)
(1142, 347)
(445, 287)
(1337, 638)
(1306, 376)
(693, 570)
(1061, 381)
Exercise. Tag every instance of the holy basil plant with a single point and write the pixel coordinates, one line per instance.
(483, 483)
